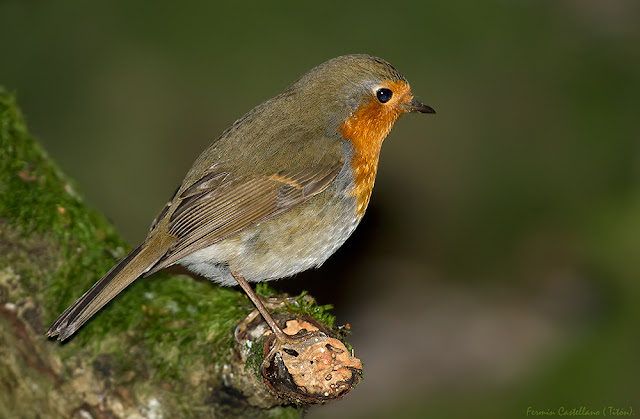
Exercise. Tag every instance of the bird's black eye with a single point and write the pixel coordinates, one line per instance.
(384, 95)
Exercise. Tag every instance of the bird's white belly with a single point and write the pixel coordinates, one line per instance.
(295, 241)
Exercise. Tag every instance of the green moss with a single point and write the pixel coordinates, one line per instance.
(285, 412)
(177, 321)
(264, 290)
(310, 308)
(255, 357)
(304, 306)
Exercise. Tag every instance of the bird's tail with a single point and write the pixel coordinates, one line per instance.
(136, 263)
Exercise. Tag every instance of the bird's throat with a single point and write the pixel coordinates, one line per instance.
(367, 128)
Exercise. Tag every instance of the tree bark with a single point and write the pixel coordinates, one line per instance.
(164, 348)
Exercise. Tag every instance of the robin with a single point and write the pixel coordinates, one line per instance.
(277, 193)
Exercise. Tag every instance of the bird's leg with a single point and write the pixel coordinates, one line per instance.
(282, 340)
(257, 301)
(283, 343)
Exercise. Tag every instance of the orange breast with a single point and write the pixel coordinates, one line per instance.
(366, 128)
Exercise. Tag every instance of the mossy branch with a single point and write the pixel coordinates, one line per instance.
(162, 346)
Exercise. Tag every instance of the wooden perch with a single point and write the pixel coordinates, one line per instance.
(167, 347)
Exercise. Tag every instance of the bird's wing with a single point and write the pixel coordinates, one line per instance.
(220, 204)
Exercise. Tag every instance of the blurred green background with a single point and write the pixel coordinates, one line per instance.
(497, 269)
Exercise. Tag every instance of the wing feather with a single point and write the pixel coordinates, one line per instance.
(220, 204)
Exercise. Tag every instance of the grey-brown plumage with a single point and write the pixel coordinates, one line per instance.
(272, 196)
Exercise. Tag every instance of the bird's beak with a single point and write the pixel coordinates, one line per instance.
(415, 106)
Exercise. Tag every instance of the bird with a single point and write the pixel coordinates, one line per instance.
(276, 193)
